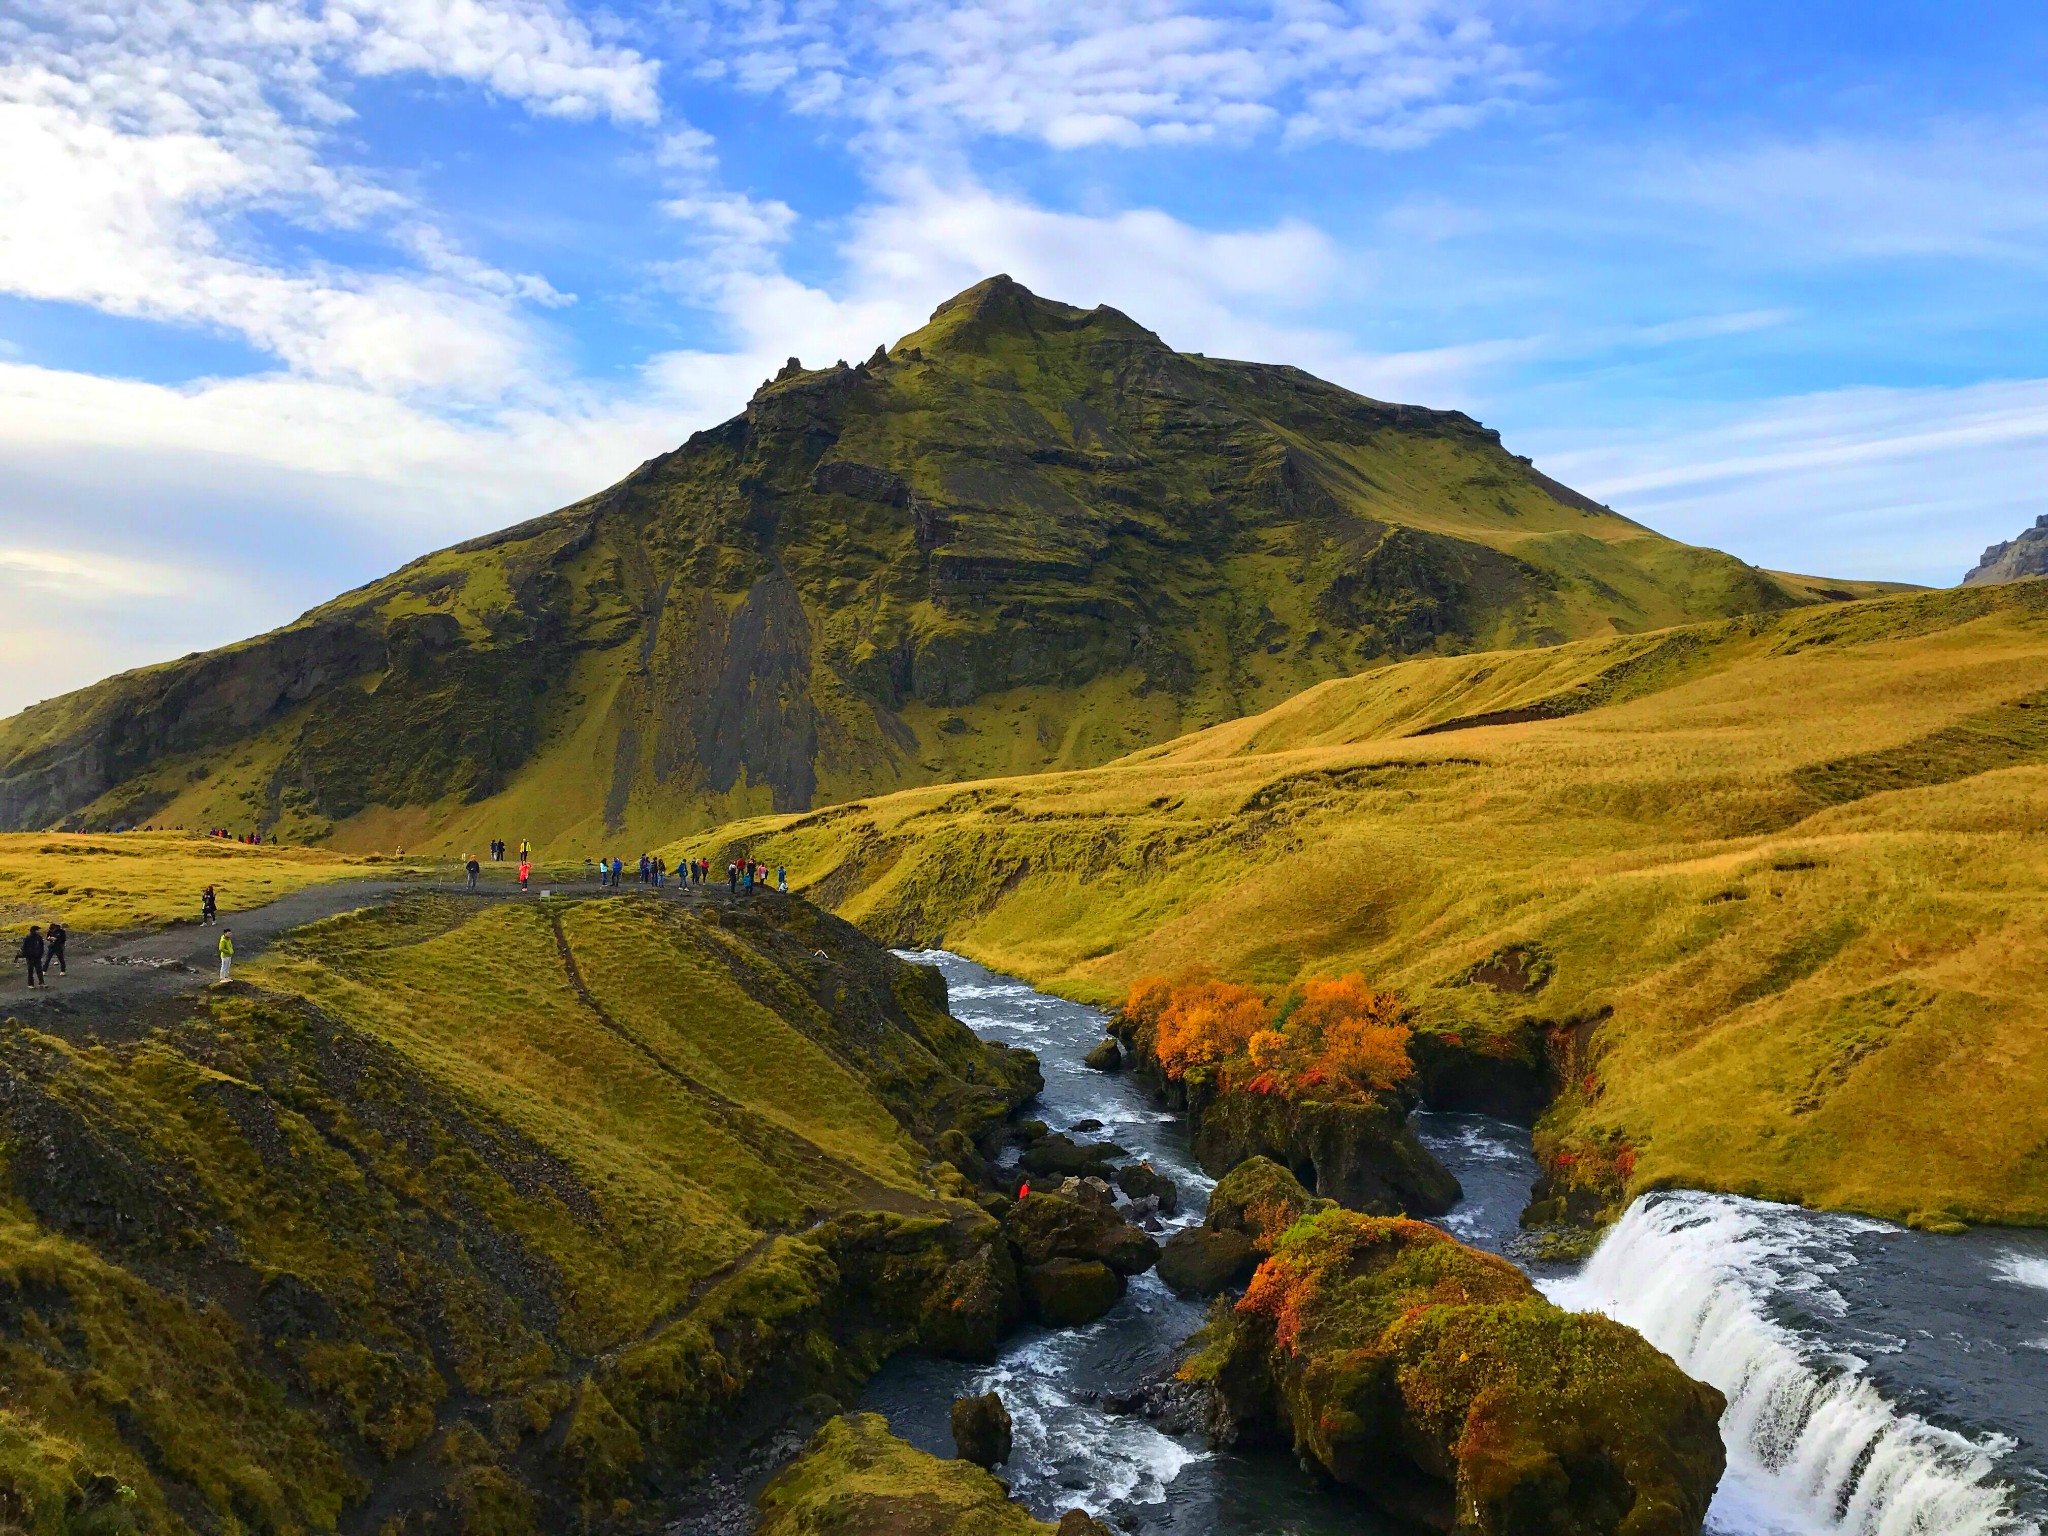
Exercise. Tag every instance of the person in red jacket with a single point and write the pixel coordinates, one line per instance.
(525, 869)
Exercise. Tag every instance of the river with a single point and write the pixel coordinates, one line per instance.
(1881, 1382)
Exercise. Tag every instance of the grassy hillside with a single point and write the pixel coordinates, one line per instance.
(140, 879)
(474, 1216)
(1769, 896)
(1027, 536)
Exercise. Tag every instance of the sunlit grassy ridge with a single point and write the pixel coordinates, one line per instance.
(492, 1216)
(138, 879)
(1769, 896)
(1026, 536)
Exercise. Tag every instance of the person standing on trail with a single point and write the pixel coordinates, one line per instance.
(55, 939)
(525, 851)
(782, 879)
(472, 869)
(525, 869)
(227, 953)
(32, 951)
(209, 911)
(618, 869)
(732, 878)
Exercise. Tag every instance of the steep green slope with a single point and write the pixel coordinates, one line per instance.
(1028, 536)
(480, 1217)
(1762, 903)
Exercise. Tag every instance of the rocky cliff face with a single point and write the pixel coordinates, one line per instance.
(1027, 536)
(2026, 555)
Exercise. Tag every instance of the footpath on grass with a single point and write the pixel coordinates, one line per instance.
(114, 976)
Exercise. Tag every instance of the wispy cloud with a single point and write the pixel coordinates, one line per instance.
(1067, 73)
(1899, 484)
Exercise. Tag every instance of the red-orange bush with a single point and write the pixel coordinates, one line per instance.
(1207, 1021)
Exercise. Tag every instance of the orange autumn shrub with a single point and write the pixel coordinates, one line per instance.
(1207, 1021)
(1148, 995)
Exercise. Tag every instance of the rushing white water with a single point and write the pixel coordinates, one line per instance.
(1813, 1444)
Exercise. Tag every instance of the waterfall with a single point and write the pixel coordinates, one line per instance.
(1807, 1433)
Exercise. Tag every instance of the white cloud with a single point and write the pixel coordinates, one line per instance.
(1896, 484)
(1069, 73)
(141, 135)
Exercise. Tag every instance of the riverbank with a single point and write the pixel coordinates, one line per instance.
(1935, 1342)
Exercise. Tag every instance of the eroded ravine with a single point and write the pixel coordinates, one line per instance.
(1885, 1383)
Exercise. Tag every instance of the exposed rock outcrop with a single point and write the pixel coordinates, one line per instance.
(1434, 1380)
(2013, 559)
(982, 1429)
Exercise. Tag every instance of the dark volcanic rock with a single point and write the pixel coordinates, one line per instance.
(1042, 1227)
(1142, 1181)
(1061, 1156)
(1106, 1057)
(1069, 1292)
(981, 1429)
(1201, 1262)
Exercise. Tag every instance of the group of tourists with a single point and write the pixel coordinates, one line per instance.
(741, 875)
(253, 839)
(498, 846)
(41, 950)
(474, 869)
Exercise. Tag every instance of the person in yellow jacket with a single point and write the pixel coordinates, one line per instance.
(227, 952)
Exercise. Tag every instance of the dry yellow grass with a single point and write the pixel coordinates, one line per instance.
(110, 880)
(1800, 859)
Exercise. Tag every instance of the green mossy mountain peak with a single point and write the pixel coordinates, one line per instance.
(1027, 536)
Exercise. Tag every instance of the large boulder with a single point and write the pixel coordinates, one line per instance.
(1358, 1152)
(1436, 1381)
(1260, 1199)
(1069, 1292)
(1106, 1057)
(982, 1430)
(857, 1479)
(1141, 1181)
(1082, 1224)
(1060, 1157)
(1199, 1262)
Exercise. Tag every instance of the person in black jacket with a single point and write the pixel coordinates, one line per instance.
(55, 942)
(32, 951)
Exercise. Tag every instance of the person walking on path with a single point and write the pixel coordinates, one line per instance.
(32, 951)
(782, 879)
(227, 953)
(618, 869)
(525, 869)
(55, 940)
(472, 869)
(209, 908)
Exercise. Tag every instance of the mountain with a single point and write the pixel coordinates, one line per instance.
(1029, 536)
(2026, 555)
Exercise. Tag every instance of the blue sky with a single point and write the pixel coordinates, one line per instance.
(291, 292)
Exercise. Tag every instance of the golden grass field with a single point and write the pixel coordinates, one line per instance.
(110, 880)
(1787, 875)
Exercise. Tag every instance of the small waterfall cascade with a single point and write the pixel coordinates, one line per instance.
(1707, 1278)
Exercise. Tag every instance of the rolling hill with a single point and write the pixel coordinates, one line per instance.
(1765, 899)
(1029, 536)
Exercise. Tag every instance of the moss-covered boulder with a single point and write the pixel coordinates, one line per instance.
(857, 1479)
(1199, 1262)
(1106, 1057)
(1261, 1199)
(1359, 1151)
(1042, 1227)
(1069, 1292)
(982, 1429)
(1432, 1378)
